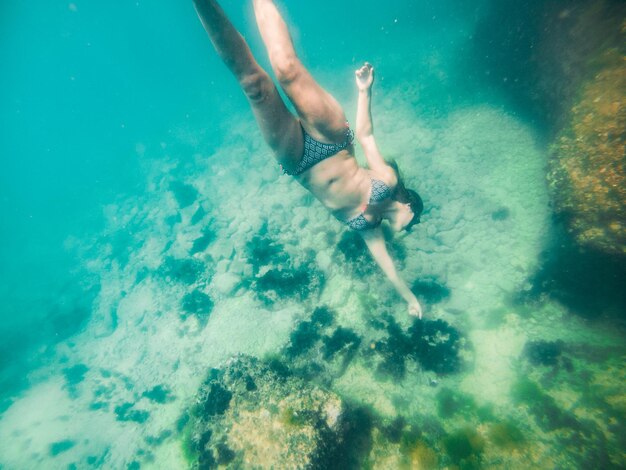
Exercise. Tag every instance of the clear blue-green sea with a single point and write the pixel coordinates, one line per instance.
(170, 300)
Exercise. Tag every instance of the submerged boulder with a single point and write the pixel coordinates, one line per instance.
(256, 414)
(586, 173)
(562, 63)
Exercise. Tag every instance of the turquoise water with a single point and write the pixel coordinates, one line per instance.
(148, 237)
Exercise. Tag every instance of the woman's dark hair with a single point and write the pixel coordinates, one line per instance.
(405, 195)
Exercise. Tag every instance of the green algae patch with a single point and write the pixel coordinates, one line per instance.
(75, 374)
(185, 194)
(201, 243)
(418, 454)
(197, 303)
(125, 412)
(464, 447)
(506, 435)
(158, 394)
(451, 402)
(59, 447)
(542, 406)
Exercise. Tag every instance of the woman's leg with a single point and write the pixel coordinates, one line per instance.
(280, 128)
(321, 114)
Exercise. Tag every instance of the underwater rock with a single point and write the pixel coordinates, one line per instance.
(123, 244)
(586, 173)
(538, 53)
(248, 414)
(562, 62)
(570, 273)
(226, 283)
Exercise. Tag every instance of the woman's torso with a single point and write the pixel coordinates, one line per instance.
(344, 187)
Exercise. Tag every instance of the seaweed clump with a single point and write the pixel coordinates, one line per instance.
(506, 435)
(199, 304)
(158, 394)
(59, 447)
(202, 242)
(185, 194)
(542, 406)
(543, 353)
(126, 412)
(465, 447)
(430, 291)
(317, 349)
(434, 344)
(275, 275)
(184, 270)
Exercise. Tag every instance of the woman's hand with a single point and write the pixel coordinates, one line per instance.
(415, 309)
(365, 76)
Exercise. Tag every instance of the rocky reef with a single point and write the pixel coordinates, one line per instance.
(587, 163)
(562, 64)
(256, 414)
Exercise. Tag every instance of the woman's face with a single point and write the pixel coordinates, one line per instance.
(399, 216)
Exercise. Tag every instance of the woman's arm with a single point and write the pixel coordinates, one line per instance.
(376, 243)
(364, 123)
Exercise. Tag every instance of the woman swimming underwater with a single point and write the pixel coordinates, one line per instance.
(316, 146)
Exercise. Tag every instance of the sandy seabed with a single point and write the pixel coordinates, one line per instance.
(482, 175)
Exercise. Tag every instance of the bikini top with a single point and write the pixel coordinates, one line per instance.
(379, 193)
